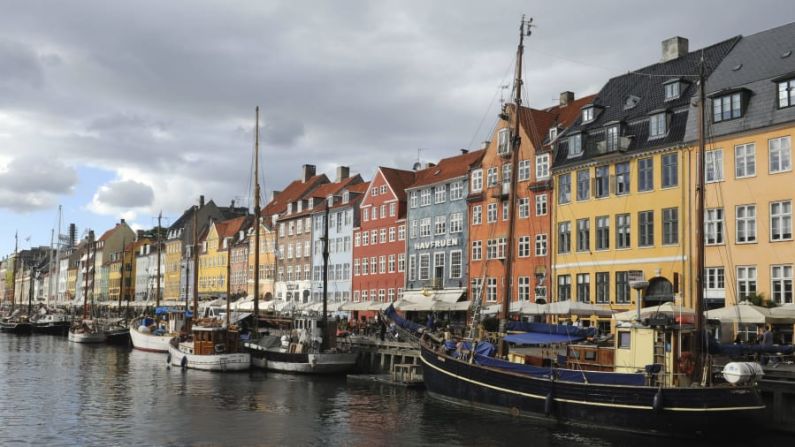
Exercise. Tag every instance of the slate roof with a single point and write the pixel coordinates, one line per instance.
(752, 64)
(321, 193)
(291, 193)
(446, 169)
(398, 180)
(645, 84)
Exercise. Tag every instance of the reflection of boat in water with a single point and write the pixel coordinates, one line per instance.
(154, 334)
(295, 346)
(210, 347)
(86, 331)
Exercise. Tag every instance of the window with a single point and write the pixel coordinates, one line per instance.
(746, 282)
(779, 152)
(491, 213)
(564, 287)
(501, 243)
(391, 263)
(374, 215)
(645, 174)
(477, 250)
(425, 227)
(713, 221)
(713, 165)
(671, 90)
(602, 287)
(603, 232)
(611, 138)
(381, 295)
(364, 295)
(726, 107)
(746, 223)
(622, 287)
(477, 180)
(584, 287)
(523, 291)
(412, 268)
(575, 145)
(402, 233)
(587, 114)
(477, 215)
(491, 249)
(524, 246)
(382, 189)
(456, 223)
(564, 237)
(670, 170)
(714, 282)
(382, 264)
(646, 228)
(542, 166)
(425, 266)
(564, 188)
(364, 265)
(506, 173)
(491, 178)
(456, 190)
(373, 237)
(356, 267)
(425, 197)
(583, 184)
(455, 264)
(440, 193)
(624, 339)
(401, 262)
(781, 287)
(622, 178)
(506, 210)
(524, 170)
(524, 207)
(365, 238)
(491, 289)
(413, 228)
(745, 160)
(670, 226)
(541, 244)
(504, 141)
(477, 288)
(583, 234)
(553, 133)
(657, 125)
(541, 205)
(786, 93)
(601, 181)
(382, 234)
(441, 225)
(365, 214)
(781, 220)
(391, 234)
(623, 233)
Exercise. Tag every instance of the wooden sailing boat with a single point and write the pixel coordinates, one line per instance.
(88, 330)
(644, 402)
(15, 322)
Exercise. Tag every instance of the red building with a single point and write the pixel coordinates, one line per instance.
(379, 243)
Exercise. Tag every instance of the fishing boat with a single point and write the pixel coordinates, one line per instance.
(154, 334)
(16, 324)
(86, 331)
(116, 331)
(52, 323)
(212, 346)
(674, 391)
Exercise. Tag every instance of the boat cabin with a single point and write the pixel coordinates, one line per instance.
(215, 340)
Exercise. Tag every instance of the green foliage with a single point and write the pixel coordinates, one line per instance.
(758, 299)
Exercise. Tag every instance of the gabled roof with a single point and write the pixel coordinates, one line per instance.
(106, 235)
(294, 191)
(448, 168)
(321, 193)
(398, 180)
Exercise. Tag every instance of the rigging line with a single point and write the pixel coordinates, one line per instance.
(574, 61)
(491, 102)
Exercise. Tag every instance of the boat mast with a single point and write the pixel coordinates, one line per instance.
(121, 280)
(14, 272)
(159, 252)
(85, 279)
(324, 340)
(524, 29)
(256, 219)
(195, 254)
(30, 288)
(698, 347)
(92, 250)
(228, 277)
(49, 266)
(57, 269)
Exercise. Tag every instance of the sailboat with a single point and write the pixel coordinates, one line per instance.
(50, 320)
(87, 330)
(467, 372)
(15, 322)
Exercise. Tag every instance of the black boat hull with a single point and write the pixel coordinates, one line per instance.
(16, 328)
(118, 337)
(52, 328)
(683, 411)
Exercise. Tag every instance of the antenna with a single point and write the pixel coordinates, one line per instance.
(502, 88)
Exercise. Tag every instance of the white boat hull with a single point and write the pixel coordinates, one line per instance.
(90, 337)
(326, 363)
(215, 362)
(149, 342)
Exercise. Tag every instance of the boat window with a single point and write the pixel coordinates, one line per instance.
(624, 338)
(590, 355)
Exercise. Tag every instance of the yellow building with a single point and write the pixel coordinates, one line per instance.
(121, 274)
(267, 261)
(213, 256)
(172, 262)
(621, 188)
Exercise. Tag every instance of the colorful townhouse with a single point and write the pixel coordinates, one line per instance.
(214, 256)
(622, 185)
(382, 212)
(343, 217)
(240, 267)
(146, 279)
(490, 210)
(750, 184)
(437, 244)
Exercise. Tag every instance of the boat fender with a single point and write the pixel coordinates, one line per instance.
(168, 359)
(184, 362)
(657, 404)
(548, 402)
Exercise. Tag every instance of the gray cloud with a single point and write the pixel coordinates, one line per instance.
(125, 194)
(29, 183)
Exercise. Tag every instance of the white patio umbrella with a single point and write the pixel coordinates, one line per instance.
(745, 312)
(578, 308)
(668, 308)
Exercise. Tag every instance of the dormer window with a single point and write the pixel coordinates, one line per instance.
(346, 196)
(658, 125)
(300, 206)
(310, 202)
(672, 89)
(611, 137)
(786, 93)
(290, 208)
(553, 133)
(727, 107)
(504, 141)
(330, 200)
(587, 114)
(575, 145)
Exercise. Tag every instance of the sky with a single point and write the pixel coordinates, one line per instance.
(126, 109)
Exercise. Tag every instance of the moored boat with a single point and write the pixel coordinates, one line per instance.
(116, 332)
(148, 334)
(19, 324)
(52, 323)
(86, 331)
(210, 347)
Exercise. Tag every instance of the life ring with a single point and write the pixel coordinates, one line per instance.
(687, 363)
(184, 362)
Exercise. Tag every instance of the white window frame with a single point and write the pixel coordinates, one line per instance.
(541, 204)
(713, 166)
(477, 214)
(781, 275)
(524, 170)
(541, 244)
(745, 160)
(454, 265)
(781, 220)
(782, 148)
(745, 224)
(542, 167)
(714, 226)
(476, 183)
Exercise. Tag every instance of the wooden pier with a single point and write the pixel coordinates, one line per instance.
(388, 357)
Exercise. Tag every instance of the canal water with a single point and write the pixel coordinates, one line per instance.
(55, 393)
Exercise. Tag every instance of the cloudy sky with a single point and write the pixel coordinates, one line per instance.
(122, 109)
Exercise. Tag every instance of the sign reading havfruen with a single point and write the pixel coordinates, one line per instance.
(439, 243)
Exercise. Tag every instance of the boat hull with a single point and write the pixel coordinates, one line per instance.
(90, 337)
(16, 328)
(149, 342)
(319, 363)
(118, 337)
(52, 328)
(240, 361)
(683, 412)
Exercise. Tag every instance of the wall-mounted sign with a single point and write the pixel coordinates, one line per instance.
(439, 243)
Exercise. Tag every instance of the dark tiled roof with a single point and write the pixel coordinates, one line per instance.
(646, 84)
(294, 191)
(398, 180)
(448, 168)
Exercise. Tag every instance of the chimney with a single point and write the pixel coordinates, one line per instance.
(139, 234)
(485, 144)
(72, 235)
(232, 206)
(121, 222)
(566, 98)
(673, 48)
(464, 151)
(201, 201)
(274, 194)
(429, 165)
(308, 171)
(343, 172)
